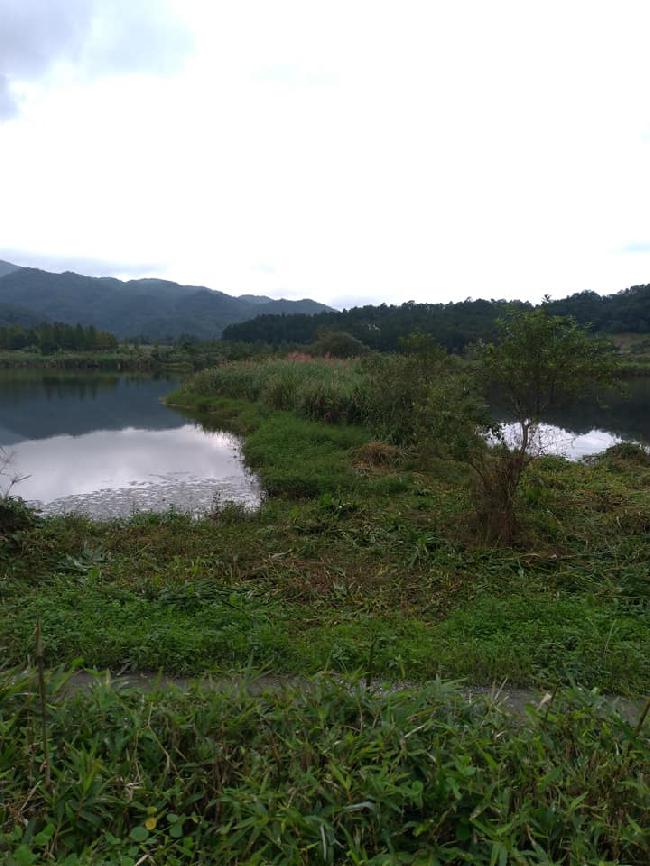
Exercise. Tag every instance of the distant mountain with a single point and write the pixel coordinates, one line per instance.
(255, 299)
(146, 307)
(10, 315)
(7, 268)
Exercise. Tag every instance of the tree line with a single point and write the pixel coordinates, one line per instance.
(56, 336)
(454, 325)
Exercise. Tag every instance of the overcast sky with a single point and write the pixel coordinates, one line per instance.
(352, 151)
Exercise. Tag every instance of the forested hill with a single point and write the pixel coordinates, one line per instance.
(149, 307)
(380, 327)
(452, 325)
(11, 315)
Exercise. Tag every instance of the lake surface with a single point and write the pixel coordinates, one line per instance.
(590, 427)
(105, 445)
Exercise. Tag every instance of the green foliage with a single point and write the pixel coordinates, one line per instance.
(383, 327)
(185, 357)
(625, 455)
(78, 613)
(425, 398)
(403, 398)
(323, 464)
(48, 338)
(344, 552)
(454, 326)
(318, 773)
(15, 515)
(337, 344)
(319, 390)
(627, 311)
(541, 361)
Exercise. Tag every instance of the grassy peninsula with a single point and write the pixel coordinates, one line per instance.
(371, 561)
(126, 358)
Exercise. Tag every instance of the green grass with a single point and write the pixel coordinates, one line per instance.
(344, 563)
(320, 773)
(321, 390)
(348, 569)
(294, 456)
(142, 358)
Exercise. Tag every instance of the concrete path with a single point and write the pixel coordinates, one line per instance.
(512, 699)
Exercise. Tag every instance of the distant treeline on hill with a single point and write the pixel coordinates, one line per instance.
(56, 336)
(453, 325)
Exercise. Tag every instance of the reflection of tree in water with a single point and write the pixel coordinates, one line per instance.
(624, 414)
(37, 405)
(27, 385)
(82, 388)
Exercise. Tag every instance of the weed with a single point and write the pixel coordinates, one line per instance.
(319, 772)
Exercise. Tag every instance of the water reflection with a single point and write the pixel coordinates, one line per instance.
(37, 405)
(624, 414)
(552, 439)
(590, 427)
(106, 446)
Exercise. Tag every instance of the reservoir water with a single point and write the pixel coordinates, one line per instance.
(105, 445)
(588, 427)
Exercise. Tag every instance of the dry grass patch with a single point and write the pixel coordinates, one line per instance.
(376, 455)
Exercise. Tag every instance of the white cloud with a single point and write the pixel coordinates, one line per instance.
(93, 37)
(367, 150)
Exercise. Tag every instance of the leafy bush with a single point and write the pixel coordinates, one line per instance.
(338, 344)
(15, 515)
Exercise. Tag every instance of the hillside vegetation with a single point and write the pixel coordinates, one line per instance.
(148, 307)
(48, 338)
(453, 325)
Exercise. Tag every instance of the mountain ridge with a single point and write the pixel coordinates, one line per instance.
(7, 268)
(148, 307)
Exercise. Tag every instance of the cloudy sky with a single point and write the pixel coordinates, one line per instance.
(346, 150)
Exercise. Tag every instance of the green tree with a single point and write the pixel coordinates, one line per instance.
(539, 362)
(338, 344)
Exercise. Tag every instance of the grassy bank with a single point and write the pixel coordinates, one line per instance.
(320, 774)
(364, 562)
(186, 357)
(634, 351)
(320, 390)
(137, 359)
(350, 566)
(110, 361)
